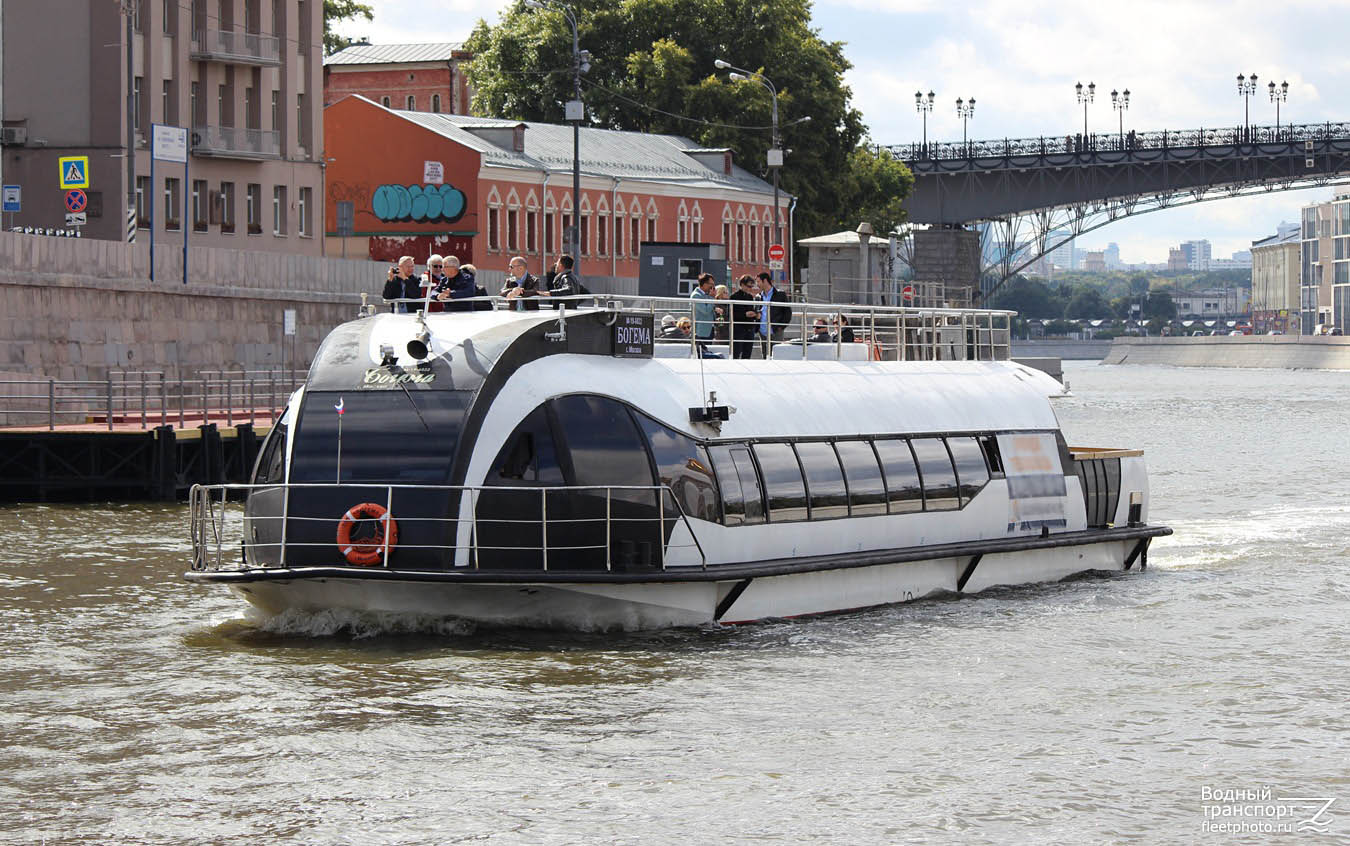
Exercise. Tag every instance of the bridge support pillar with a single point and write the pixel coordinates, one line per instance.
(947, 266)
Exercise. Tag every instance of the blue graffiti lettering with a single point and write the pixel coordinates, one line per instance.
(418, 203)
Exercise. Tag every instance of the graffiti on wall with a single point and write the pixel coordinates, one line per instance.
(418, 203)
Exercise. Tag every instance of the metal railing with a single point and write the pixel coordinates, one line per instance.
(220, 528)
(1165, 139)
(236, 141)
(145, 399)
(891, 333)
(228, 45)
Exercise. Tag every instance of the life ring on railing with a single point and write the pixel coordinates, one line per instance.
(363, 552)
(874, 352)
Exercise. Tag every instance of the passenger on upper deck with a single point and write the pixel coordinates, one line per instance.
(401, 283)
(772, 319)
(565, 283)
(460, 285)
(521, 286)
(705, 312)
(820, 332)
(843, 330)
(744, 318)
(434, 281)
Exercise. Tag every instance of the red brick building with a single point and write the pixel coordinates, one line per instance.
(485, 190)
(416, 77)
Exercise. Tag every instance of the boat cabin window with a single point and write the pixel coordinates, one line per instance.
(385, 436)
(866, 488)
(782, 482)
(971, 472)
(824, 480)
(939, 476)
(683, 466)
(904, 494)
(989, 443)
(530, 457)
(271, 465)
(605, 446)
(742, 501)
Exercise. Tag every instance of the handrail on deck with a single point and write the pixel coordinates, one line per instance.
(219, 524)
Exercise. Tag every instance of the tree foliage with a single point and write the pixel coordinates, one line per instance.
(1030, 298)
(652, 71)
(341, 10)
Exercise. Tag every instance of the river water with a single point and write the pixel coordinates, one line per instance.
(136, 708)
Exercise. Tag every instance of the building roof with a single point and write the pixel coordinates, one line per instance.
(604, 152)
(841, 239)
(1287, 237)
(388, 54)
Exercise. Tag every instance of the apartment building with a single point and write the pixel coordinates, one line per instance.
(1324, 265)
(243, 77)
(1275, 282)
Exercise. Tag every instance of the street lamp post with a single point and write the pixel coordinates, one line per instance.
(1277, 96)
(1246, 88)
(924, 106)
(1086, 96)
(775, 154)
(575, 112)
(1120, 102)
(965, 109)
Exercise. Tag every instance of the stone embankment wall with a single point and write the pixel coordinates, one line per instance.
(1292, 352)
(1062, 349)
(78, 309)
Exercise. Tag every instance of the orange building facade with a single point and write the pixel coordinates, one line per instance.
(417, 183)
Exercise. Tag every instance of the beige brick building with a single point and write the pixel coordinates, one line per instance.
(1275, 274)
(244, 77)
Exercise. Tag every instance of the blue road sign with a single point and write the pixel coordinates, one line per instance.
(13, 198)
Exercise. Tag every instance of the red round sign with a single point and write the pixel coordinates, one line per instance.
(775, 252)
(76, 201)
(907, 292)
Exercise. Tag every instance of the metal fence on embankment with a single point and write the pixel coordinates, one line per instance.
(145, 399)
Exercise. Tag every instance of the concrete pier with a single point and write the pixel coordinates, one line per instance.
(1289, 352)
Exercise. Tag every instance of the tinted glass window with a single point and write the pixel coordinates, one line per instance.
(782, 482)
(866, 490)
(903, 492)
(604, 444)
(824, 481)
(529, 457)
(272, 460)
(989, 444)
(683, 466)
(387, 436)
(939, 477)
(741, 499)
(971, 472)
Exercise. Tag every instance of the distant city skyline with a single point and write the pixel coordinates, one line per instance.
(1021, 61)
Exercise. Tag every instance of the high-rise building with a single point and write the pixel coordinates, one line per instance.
(1062, 256)
(1112, 257)
(90, 79)
(1275, 282)
(1197, 253)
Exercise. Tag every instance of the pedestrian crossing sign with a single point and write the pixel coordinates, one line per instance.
(74, 172)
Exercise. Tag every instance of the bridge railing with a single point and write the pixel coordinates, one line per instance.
(1119, 142)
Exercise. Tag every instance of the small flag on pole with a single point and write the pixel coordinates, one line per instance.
(341, 403)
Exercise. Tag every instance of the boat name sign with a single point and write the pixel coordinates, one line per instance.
(633, 336)
(383, 377)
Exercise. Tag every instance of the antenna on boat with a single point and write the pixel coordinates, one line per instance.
(420, 344)
(561, 334)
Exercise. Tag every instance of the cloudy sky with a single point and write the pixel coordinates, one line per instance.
(1020, 61)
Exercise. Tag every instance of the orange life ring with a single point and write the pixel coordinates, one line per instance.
(366, 551)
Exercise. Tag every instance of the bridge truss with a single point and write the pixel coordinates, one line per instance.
(1028, 197)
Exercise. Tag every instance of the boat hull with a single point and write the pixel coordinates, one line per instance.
(655, 604)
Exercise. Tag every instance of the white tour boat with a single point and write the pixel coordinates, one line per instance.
(567, 469)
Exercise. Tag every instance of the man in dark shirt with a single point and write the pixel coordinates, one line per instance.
(772, 318)
(744, 318)
(402, 284)
(521, 286)
(565, 282)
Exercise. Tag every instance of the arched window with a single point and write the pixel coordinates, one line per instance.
(435, 102)
(412, 102)
(384, 101)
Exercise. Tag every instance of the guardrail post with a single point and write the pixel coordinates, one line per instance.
(543, 523)
(108, 387)
(609, 493)
(229, 401)
(143, 400)
(388, 520)
(661, 509)
(206, 388)
(163, 399)
(473, 525)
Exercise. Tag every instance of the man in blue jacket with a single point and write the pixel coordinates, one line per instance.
(705, 312)
(772, 318)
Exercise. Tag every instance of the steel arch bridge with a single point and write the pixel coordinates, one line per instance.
(1029, 196)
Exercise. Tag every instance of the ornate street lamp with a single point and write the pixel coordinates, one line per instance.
(924, 106)
(965, 109)
(1246, 88)
(1120, 102)
(1277, 96)
(1085, 96)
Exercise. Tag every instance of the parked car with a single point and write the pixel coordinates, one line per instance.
(1237, 332)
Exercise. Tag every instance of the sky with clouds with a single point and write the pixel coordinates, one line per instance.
(1020, 61)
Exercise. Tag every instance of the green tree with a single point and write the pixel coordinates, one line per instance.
(1159, 306)
(1030, 298)
(652, 71)
(335, 11)
(1087, 304)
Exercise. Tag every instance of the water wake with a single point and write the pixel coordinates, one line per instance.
(358, 624)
